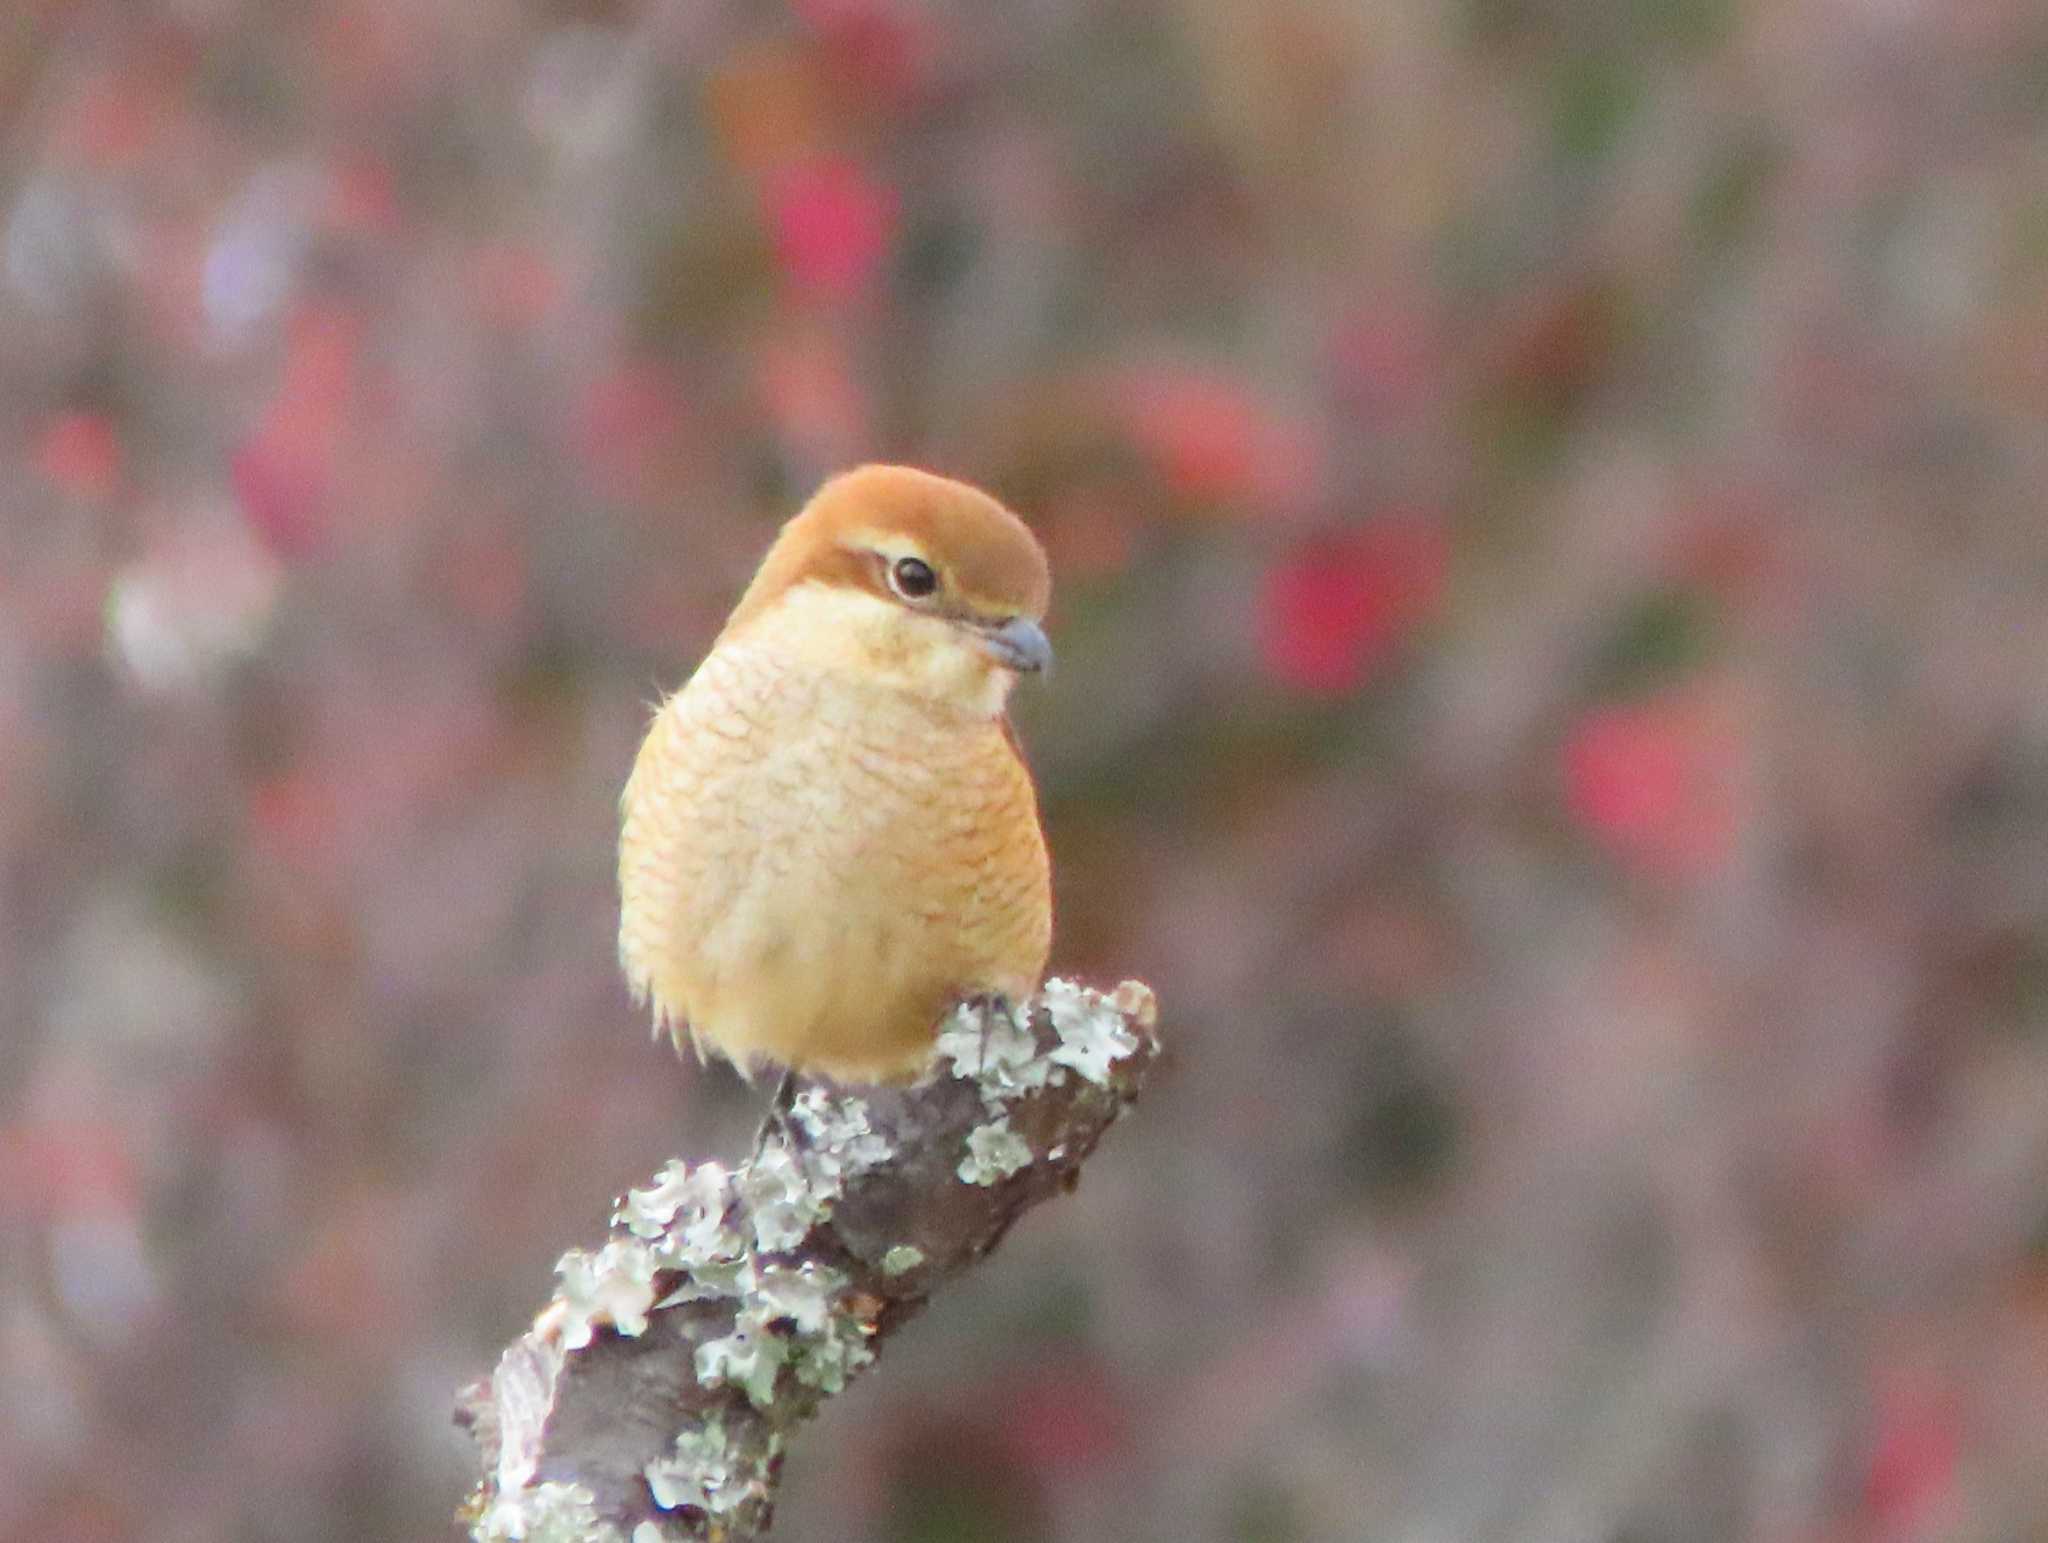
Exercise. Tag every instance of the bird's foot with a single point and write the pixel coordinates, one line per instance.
(777, 1117)
(987, 1006)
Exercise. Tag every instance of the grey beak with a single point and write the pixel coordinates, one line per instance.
(1021, 644)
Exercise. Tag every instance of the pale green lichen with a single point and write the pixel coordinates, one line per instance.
(784, 1205)
(710, 1279)
(613, 1287)
(647, 1212)
(828, 1343)
(801, 1294)
(828, 1365)
(698, 1196)
(1093, 1033)
(699, 1471)
(994, 1050)
(749, 1358)
(523, 1388)
(649, 1532)
(902, 1259)
(789, 1190)
(547, 1513)
(994, 1152)
(842, 1141)
(792, 1316)
(999, 1053)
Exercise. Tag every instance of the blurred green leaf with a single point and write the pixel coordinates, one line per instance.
(1681, 26)
(1404, 1131)
(950, 1508)
(1659, 637)
(1262, 1511)
(938, 247)
(1725, 205)
(1642, 30)
(1058, 1307)
(1596, 96)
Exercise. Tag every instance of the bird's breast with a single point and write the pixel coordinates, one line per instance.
(812, 868)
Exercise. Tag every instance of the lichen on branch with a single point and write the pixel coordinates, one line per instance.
(655, 1395)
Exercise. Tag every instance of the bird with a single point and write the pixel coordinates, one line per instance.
(830, 838)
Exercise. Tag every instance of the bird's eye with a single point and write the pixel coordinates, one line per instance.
(912, 578)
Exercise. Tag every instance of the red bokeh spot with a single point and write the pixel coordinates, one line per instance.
(283, 473)
(117, 116)
(1913, 1461)
(1211, 441)
(1652, 781)
(48, 1169)
(878, 54)
(283, 492)
(1332, 612)
(1065, 1417)
(362, 198)
(79, 453)
(832, 225)
(296, 817)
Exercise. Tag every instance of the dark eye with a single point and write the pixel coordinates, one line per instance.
(913, 578)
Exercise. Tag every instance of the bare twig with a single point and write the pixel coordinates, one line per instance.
(655, 1395)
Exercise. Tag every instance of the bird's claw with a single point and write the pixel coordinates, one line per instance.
(777, 1116)
(986, 1005)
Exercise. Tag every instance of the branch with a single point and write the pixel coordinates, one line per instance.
(653, 1398)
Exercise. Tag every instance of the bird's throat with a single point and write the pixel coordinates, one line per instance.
(851, 632)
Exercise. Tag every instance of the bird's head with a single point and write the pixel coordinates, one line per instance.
(909, 580)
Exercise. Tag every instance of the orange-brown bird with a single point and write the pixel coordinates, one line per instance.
(830, 838)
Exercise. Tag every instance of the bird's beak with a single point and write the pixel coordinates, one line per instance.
(1020, 644)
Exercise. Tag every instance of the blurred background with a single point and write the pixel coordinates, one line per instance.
(1546, 498)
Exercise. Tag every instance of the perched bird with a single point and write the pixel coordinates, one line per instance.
(830, 838)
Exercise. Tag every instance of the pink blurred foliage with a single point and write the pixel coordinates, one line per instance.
(485, 571)
(113, 119)
(1090, 529)
(832, 223)
(295, 816)
(374, 61)
(362, 198)
(1730, 550)
(808, 387)
(284, 473)
(1333, 612)
(1063, 1415)
(1915, 1454)
(283, 485)
(1213, 442)
(1652, 781)
(631, 424)
(1387, 354)
(348, 1277)
(54, 1168)
(79, 452)
(518, 284)
(882, 53)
